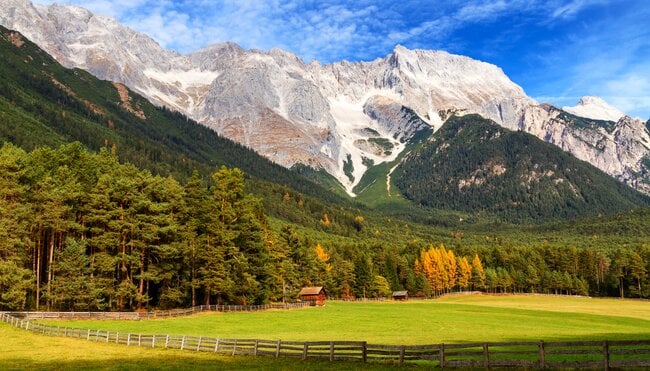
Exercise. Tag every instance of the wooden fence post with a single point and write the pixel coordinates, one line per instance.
(216, 346)
(198, 346)
(128, 340)
(331, 351)
(183, 342)
(234, 348)
(542, 361)
(364, 352)
(486, 355)
(166, 341)
(606, 355)
(442, 355)
(277, 349)
(257, 342)
(305, 349)
(401, 355)
(88, 336)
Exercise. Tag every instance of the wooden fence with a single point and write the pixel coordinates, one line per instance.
(156, 314)
(566, 354)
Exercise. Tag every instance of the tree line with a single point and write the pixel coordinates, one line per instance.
(82, 231)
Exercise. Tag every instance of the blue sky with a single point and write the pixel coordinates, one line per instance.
(557, 50)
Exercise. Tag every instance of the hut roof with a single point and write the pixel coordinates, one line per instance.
(400, 293)
(311, 290)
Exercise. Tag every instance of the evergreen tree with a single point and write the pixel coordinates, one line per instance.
(637, 271)
(15, 284)
(74, 287)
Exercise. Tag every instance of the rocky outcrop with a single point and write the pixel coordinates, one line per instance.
(621, 148)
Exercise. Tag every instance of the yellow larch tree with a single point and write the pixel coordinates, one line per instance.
(450, 266)
(323, 256)
(464, 273)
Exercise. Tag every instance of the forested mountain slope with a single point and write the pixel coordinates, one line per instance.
(474, 165)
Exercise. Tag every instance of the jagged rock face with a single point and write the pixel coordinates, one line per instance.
(394, 118)
(621, 149)
(323, 116)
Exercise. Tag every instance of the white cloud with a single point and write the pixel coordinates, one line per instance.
(572, 8)
(629, 93)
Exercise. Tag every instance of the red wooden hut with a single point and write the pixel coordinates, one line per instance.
(315, 295)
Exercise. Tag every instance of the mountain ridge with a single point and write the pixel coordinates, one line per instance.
(312, 114)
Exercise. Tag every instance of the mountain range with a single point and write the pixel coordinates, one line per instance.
(344, 118)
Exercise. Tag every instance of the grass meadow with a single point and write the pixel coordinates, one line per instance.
(22, 350)
(452, 319)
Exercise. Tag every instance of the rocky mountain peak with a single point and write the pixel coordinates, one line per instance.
(281, 54)
(595, 108)
(216, 56)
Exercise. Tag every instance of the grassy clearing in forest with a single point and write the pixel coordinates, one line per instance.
(451, 319)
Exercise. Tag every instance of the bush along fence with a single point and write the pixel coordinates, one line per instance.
(156, 314)
(560, 354)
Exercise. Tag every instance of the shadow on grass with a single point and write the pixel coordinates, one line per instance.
(190, 363)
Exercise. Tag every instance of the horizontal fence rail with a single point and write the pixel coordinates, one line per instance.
(156, 314)
(557, 354)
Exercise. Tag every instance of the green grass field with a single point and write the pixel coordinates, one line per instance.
(22, 350)
(452, 319)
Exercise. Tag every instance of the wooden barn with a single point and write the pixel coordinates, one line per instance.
(315, 295)
(401, 295)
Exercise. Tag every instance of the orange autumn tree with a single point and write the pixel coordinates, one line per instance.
(323, 256)
(464, 273)
(450, 267)
(443, 270)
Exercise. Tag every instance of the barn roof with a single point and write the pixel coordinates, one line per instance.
(400, 293)
(311, 290)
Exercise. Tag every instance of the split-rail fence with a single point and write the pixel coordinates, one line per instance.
(555, 354)
(159, 314)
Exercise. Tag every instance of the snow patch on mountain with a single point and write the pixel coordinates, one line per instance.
(595, 108)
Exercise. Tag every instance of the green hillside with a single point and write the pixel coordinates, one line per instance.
(473, 165)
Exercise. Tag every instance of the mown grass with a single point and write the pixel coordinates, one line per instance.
(23, 350)
(449, 320)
